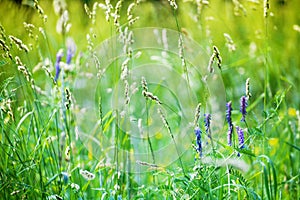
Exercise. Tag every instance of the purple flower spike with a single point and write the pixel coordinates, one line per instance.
(230, 126)
(229, 135)
(241, 138)
(207, 118)
(243, 107)
(228, 113)
(59, 56)
(71, 49)
(198, 140)
(69, 56)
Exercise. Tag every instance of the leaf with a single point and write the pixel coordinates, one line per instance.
(23, 119)
(2, 62)
(294, 146)
(266, 181)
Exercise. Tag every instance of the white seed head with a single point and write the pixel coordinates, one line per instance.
(87, 175)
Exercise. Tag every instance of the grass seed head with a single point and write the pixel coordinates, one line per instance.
(218, 56)
(24, 70)
(59, 6)
(40, 11)
(210, 63)
(63, 26)
(173, 4)
(229, 42)
(197, 114)
(21, 46)
(266, 8)
(87, 175)
(247, 89)
(75, 187)
(68, 102)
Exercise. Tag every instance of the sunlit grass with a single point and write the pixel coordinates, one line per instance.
(120, 121)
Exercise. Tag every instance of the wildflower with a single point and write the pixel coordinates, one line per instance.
(229, 135)
(241, 138)
(228, 113)
(207, 118)
(243, 107)
(230, 126)
(198, 140)
(71, 49)
(59, 56)
(87, 175)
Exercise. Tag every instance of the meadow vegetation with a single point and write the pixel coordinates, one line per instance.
(149, 99)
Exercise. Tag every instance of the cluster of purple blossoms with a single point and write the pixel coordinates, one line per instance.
(240, 131)
(71, 48)
(230, 125)
(207, 118)
(198, 140)
(198, 132)
(241, 138)
(59, 56)
(243, 106)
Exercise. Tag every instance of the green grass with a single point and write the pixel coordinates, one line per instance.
(119, 121)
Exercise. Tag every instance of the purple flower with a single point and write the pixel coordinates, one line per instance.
(228, 113)
(230, 125)
(198, 140)
(59, 56)
(229, 135)
(69, 56)
(71, 49)
(241, 138)
(207, 118)
(243, 107)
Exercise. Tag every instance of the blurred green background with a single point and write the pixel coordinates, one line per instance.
(277, 38)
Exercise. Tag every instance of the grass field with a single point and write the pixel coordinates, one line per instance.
(149, 99)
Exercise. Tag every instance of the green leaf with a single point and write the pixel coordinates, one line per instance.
(2, 62)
